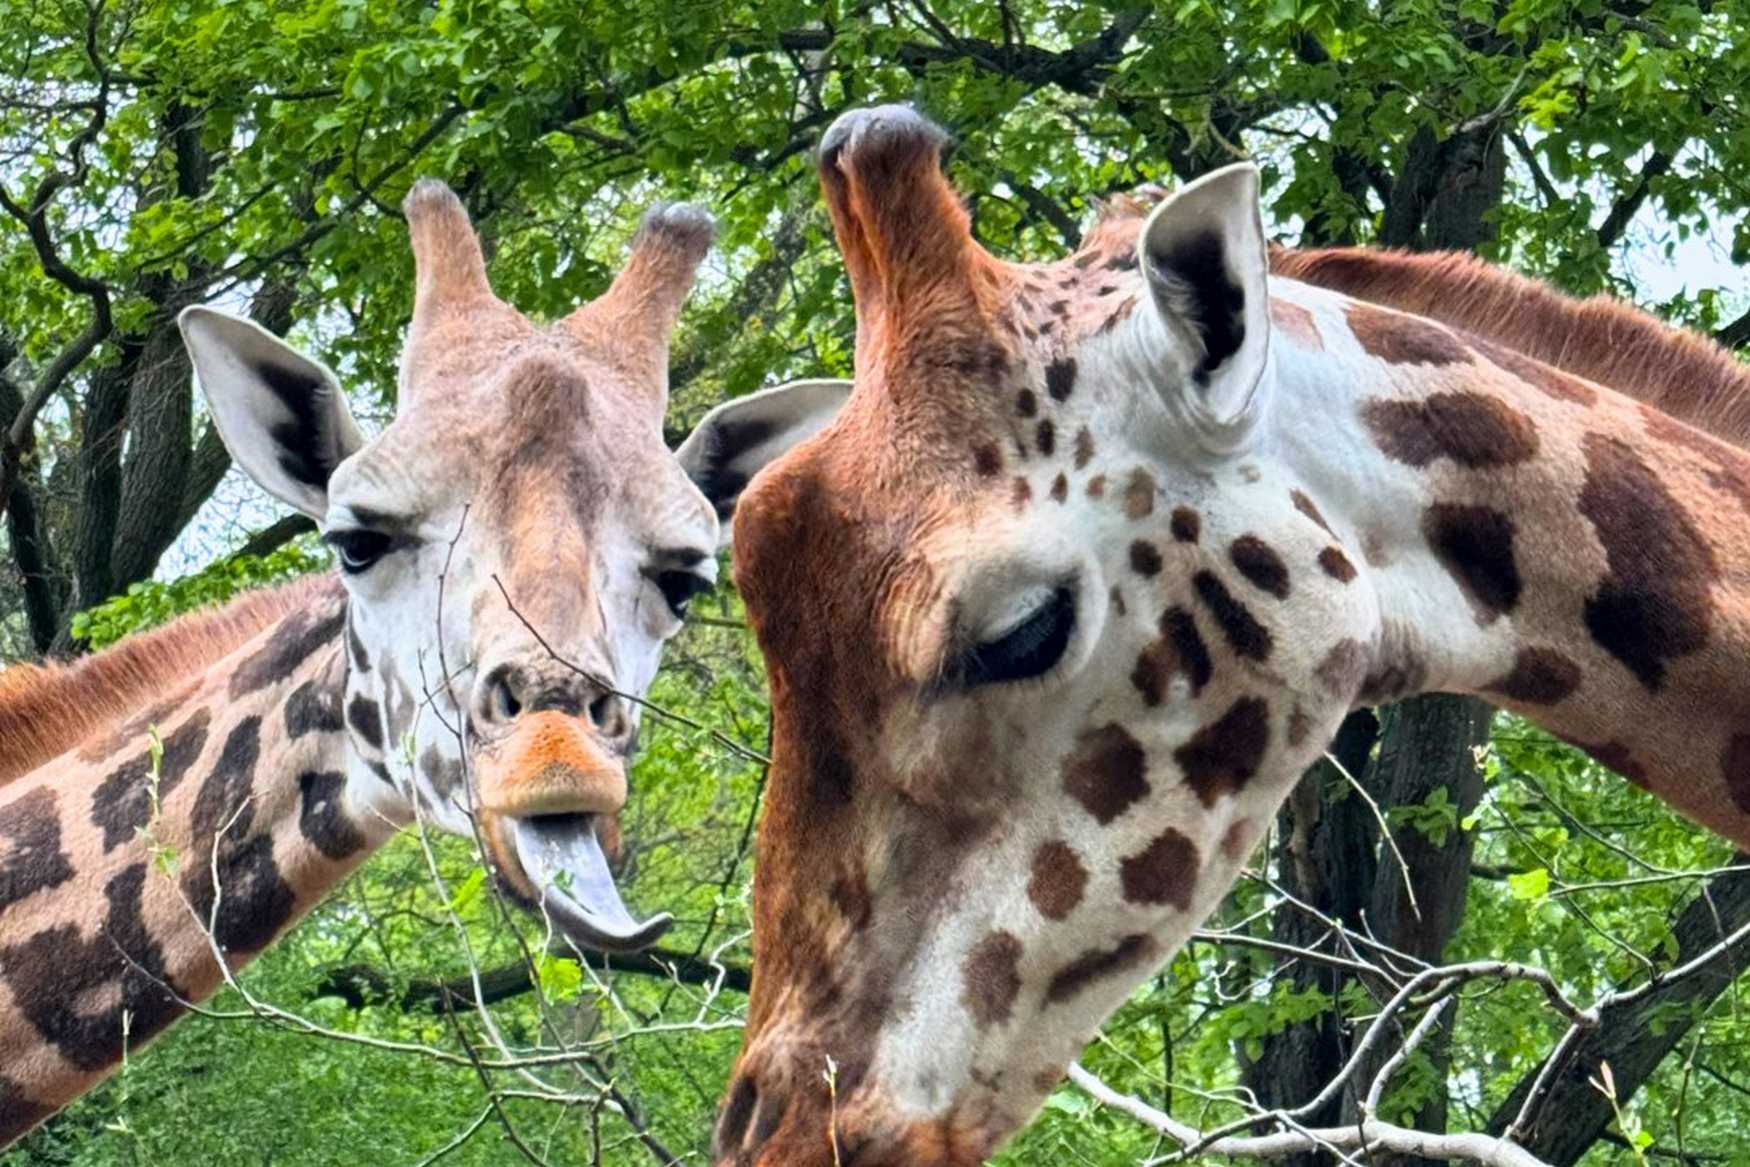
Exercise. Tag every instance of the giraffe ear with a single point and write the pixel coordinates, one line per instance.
(737, 438)
(281, 414)
(1203, 254)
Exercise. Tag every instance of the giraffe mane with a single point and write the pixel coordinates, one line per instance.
(1601, 338)
(48, 709)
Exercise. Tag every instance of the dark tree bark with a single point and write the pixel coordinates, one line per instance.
(159, 417)
(139, 473)
(41, 584)
(1446, 190)
(97, 484)
(1324, 856)
(1426, 744)
(276, 535)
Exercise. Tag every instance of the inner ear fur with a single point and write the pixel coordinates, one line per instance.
(282, 415)
(1203, 254)
(737, 439)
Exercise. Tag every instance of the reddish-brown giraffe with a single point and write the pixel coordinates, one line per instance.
(182, 798)
(1096, 556)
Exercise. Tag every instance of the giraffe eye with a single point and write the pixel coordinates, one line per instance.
(358, 549)
(1027, 649)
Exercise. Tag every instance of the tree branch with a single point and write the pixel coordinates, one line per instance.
(20, 434)
(1082, 68)
(1555, 1109)
(360, 985)
(1623, 210)
(1364, 1136)
(1736, 334)
(29, 541)
(276, 535)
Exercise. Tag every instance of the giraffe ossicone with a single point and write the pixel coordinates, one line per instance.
(515, 547)
(1093, 559)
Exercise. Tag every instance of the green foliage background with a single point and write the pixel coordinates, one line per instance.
(560, 122)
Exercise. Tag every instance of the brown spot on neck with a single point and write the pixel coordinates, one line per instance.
(1344, 667)
(54, 972)
(1260, 564)
(1236, 843)
(1186, 525)
(1539, 676)
(1096, 964)
(1060, 378)
(1307, 507)
(1615, 756)
(1180, 650)
(1473, 430)
(1475, 545)
(1399, 339)
(1656, 602)
(1335, 564)
(1084, 449)
(122, 804)
(31, 859)
(1296, 323)
(1245, 635)
(1139, 495)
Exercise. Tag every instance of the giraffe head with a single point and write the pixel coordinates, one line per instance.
(516, 545)
(1036, 606)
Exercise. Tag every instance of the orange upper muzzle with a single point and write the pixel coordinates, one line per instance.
(549, 763)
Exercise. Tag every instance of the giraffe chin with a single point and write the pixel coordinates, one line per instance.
(559, 870)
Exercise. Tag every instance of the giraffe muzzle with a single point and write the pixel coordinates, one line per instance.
(549, 791)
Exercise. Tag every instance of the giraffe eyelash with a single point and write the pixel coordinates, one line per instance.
(1028, 651)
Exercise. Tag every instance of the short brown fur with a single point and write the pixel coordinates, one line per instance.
(1601, 339)
(46, 710)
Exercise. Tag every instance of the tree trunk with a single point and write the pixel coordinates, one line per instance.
(1324, 856)
(1427, 744)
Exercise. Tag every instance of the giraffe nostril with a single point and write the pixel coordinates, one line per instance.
(603, 714)
(501, 699)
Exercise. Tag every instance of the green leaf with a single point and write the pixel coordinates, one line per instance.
(467, 894)
(560, 978)
(1529, 885)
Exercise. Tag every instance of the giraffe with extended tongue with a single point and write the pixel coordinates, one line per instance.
(1093, 560)
(514, 549)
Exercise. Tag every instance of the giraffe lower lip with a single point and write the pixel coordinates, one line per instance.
(569, 880)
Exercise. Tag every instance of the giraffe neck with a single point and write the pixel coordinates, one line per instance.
(1554, 546)
(124, 880)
